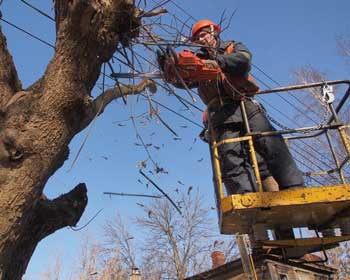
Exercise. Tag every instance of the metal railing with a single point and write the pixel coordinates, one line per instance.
(333, 123)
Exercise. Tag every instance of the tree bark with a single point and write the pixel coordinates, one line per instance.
(37, 124)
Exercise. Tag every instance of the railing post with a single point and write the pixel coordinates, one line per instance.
(251, 147)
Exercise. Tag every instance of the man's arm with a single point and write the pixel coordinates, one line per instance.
(238, 62)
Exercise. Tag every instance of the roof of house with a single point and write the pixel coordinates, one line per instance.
(309, 262)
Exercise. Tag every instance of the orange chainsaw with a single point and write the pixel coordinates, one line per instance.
(189, 67)
(184, 65)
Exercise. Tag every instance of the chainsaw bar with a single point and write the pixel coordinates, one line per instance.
(150, 75)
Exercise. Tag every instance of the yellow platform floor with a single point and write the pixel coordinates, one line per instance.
(305, 207)
(312, 207)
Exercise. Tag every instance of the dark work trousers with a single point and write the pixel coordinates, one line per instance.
(236, 167)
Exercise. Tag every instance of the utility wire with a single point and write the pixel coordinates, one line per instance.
(254, 65)
(159, 84)
(168, 89)
(37, 10)
(268, 76)
(52, 46)
(278, 84)
(308, 166)
(28, 33)
(181, 21)
(293, 96)
(176, 113)
(181, 9)
(259, 69)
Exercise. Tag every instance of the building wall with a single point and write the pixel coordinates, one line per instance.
(271, 268)
(280, 271)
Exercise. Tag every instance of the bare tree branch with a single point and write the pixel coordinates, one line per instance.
(343, 45)
(101, 102)
(154, 13)
(176, 243)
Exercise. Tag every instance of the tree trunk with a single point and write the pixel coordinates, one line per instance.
(37, 124)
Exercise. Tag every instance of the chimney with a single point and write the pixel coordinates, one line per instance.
(135, 274)
(217, 258)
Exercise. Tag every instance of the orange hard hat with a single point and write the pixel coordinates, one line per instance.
(202, 24)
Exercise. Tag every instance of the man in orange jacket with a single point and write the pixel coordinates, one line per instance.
(222, 97)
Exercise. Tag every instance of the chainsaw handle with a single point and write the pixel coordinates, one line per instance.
(172, 53)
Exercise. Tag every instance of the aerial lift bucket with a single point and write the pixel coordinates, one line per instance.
(325, 210)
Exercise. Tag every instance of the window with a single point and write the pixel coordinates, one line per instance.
(283, 277)
(319, 277)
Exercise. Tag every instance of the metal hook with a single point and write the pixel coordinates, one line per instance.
(327, 93)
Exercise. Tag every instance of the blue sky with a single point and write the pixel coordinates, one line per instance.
(282, 35)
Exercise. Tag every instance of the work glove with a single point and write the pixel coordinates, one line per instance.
(205, 135)
(161, 60)
(209, 63)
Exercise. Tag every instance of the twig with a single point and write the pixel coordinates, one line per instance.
(154, 13)
(222, 20)
(159, 189)
(133, 194)
(84, 226)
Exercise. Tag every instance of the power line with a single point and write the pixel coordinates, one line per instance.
(37, 10)
(277, 83)
(28, 33)
(52, 46)
(181, 21)
(181, 9)
(181, 99)
(259, 69)
(283, 98)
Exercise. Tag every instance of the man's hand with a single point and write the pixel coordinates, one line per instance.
(205, 135)
(209, 63)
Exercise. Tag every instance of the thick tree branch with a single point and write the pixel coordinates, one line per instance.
(9, 82)
(46, 217)
(101, 102)
(63, 211)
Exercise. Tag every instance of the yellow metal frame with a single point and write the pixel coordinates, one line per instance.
(238, 213)
(244, 205)
(215, 146)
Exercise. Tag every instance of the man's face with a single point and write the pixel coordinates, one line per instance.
(206, 38)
